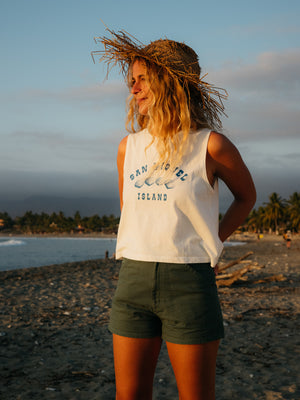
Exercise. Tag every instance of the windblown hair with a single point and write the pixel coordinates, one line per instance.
(174, 109)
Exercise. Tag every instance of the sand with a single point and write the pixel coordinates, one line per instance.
(55, 343)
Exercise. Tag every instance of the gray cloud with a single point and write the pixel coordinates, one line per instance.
(264, 97)
(21, 184)
(59, 151)
(273, 72)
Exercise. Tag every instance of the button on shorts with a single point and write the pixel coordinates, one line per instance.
(178, 302)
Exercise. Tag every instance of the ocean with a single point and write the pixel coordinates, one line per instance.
(23, 252)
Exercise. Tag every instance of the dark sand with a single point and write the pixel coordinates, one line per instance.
(55, 343)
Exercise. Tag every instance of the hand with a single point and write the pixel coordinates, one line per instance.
(216, 270)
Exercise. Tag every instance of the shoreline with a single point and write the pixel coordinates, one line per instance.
(243, 236)
(58, 235)
(55, 343)
(237, 239)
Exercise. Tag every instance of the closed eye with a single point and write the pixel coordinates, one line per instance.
(141, 78)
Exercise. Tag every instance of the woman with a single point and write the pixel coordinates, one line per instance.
(169, 237)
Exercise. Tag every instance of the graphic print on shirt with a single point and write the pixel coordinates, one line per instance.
(161, 176)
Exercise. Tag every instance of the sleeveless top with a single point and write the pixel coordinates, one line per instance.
(173, 217)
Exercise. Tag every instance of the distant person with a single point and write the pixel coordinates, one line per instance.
(288, 239)
(169, 236)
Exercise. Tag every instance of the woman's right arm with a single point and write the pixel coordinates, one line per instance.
(120, 165)
(225, 162)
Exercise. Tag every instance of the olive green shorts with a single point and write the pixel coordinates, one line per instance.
(178, 302)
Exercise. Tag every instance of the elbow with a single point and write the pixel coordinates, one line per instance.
(247, 200)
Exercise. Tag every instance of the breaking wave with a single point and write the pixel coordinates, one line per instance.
(12, 242)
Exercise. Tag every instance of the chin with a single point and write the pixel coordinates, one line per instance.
(143, 110)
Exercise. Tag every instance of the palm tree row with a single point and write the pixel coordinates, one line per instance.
(277, 215)
(58, 223)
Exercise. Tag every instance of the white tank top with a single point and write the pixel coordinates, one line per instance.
(172, 220)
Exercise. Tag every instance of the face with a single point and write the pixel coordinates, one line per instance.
(140, 87)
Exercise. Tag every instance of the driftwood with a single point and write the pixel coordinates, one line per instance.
(273, 278)
(235, 261)
(227, 279)
(233, 278)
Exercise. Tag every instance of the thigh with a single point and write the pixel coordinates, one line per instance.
(135, 362)
(194, 368)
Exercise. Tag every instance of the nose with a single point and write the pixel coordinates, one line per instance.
(135, 88)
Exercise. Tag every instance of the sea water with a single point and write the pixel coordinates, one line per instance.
(24, 252)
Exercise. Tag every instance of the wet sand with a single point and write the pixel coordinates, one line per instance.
(55, 343)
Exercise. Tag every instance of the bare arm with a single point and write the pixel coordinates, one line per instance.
(224, 162)
(120, 165)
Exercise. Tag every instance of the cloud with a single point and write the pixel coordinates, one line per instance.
(20, 184)
(62, 106)
(57, 150)
(294, 157)
(273, 72)
(264, 96)
(92, 93)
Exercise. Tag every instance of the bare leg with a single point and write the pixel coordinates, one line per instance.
(194, 368)
(135, 362)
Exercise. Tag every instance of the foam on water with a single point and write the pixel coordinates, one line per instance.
(12, 242)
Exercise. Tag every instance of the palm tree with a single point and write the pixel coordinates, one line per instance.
(28, 222)
(7, 221)
(256, 219)
(252, 220)
(293, 210)
(77, 218)
(274, 210)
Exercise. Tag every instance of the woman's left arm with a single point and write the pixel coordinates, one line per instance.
(225, 162)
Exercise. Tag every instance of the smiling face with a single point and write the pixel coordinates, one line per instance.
(140, 87)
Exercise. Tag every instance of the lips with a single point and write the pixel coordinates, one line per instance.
(139, 101)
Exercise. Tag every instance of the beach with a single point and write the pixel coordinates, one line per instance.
(55, 343)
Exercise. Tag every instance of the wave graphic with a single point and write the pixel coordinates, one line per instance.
(12, 242)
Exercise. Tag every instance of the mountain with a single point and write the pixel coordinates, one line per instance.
(49, 204)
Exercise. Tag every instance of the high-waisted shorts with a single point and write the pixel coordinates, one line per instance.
(178, 302)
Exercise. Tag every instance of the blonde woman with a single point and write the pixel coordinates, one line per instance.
(170, 237)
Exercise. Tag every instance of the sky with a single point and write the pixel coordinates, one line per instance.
(61, 120)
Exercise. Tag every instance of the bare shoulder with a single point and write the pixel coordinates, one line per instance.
(122, 145)
(122, 149)
(220, 146)
(223, 158)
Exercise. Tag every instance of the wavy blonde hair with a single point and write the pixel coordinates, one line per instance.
(175, 109)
